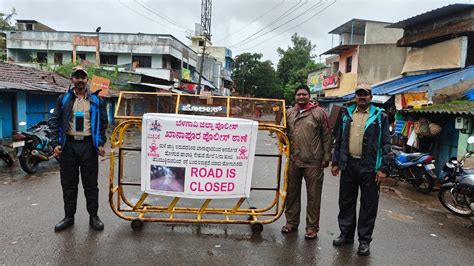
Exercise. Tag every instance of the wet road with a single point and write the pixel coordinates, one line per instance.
(411, 228)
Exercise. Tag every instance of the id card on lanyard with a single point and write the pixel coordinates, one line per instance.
(79, 121)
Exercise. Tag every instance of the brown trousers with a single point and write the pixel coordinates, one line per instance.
(313, 177)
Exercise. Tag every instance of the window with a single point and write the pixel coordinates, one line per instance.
(42, 57)
(349, 64)
(29, 26)
(79, 56)
(108, 59)
(201, 43)
(142, 61)
(58, 58)
(335, 67)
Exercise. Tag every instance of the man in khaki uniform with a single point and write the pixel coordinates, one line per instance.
(362, 153)
(78, 130)
(310, 144)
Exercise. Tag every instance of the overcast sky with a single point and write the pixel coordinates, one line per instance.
(271, 22)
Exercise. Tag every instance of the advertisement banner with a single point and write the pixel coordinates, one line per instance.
(331, 82)
(192, 156)
(315, 82)
(100, 83)
(186, 74)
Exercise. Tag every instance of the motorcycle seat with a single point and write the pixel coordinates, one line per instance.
(409, 157)
(413, 156)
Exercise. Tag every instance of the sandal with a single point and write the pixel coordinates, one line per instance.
(288, 228)
(311, 234)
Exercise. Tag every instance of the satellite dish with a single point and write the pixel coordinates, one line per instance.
(98, 29)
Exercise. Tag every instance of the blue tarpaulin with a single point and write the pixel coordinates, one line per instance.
(421, 82)
(469, 94)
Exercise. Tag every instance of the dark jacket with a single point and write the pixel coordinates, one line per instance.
(375, 146)
(59, 123)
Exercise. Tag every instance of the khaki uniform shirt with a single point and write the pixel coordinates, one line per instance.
(81, 105)
(356, 134)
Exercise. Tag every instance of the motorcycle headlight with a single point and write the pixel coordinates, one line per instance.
(448, 167)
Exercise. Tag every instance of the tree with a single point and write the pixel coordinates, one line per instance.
(256, 78)
(295, 63)
(5, 25)
(5, 20)
(267, 84)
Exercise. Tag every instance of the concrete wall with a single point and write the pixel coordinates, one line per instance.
(347, 84)
(119, 43)
(345, 38)
(443, 55)
(375, 32)
(343, 58)
(212, 70)
(217, 52)
(462, 147)
(35, 26)
(379, 62)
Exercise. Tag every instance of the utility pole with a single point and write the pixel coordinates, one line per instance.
(206, 10)
(201, 68)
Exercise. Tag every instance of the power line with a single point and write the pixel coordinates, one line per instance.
(143, 16)
(297, 25)
(161, 15)
(288, 12)
(255, 20)
(284, 23)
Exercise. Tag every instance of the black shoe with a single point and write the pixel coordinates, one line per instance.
(63, 224)
(96, 223)
(364, 249)
(341, 241)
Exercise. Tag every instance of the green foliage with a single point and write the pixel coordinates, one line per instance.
(295, 63)
(113, 75)
(3, 56)
(256, 78)
(4, 26)
(5, 20)
(64, 69)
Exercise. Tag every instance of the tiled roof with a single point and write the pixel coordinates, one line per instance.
(459, 107)
(15, 77)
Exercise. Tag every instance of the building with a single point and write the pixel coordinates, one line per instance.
(26, 95)
(440, 65)
(161, 56)
(218, 62)
(366, 53)
(315, 81)
(31, 25)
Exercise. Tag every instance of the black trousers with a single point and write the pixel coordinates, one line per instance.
(79, 156)
(351, 180)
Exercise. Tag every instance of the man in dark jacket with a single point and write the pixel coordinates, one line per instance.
(78, 135)
(362, 152)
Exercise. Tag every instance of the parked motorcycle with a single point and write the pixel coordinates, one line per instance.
(33, 146)
(5, 156)
(414, 168)
(457, 193)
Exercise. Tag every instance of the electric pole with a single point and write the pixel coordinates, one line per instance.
(206, 10)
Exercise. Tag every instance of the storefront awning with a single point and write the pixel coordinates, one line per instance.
(423, 82)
